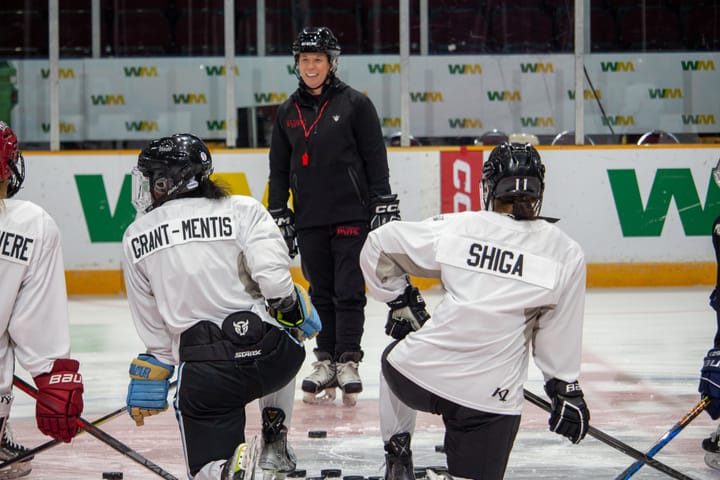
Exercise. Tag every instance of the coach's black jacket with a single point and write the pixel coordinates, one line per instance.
(339, 167)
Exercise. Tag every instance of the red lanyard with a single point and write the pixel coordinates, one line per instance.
(307, 131)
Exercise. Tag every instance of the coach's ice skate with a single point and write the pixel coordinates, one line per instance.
(398, 459)
(348, 378)
(276, 456)
(9, 450)
(241, 465)
(319, 386)
(712, 450)
(435, 474)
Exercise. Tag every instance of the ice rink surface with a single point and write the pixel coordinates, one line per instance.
(643, 349)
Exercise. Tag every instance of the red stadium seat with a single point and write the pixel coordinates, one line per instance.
(141, 33)
(603, 31)
(702, 28)
(200, 32)
(344, 23)
(651, 28)
(516, 30)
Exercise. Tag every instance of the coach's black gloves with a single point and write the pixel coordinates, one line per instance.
(710, 382)
(285, 220)
(569, 416)
(407, 313)
(384, 209)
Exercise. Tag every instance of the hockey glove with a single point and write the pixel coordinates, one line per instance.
(710, 382)
(569, 416)
(384, 209)
(285, 220)
(59, 400)
(714, 299)
(148, 389)
(407, 313)
(296, 313)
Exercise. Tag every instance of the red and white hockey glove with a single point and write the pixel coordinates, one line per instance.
(59, 401)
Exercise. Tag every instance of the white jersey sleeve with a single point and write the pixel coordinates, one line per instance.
(196, 259)
(397, 249)
(33, 298)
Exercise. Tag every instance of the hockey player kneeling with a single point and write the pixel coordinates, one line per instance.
(510, 279)
(211, 295)
(34, 324)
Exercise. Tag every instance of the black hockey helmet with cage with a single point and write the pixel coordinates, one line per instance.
(317, 40)
(172, 166)
(513, 170)
(12, 163)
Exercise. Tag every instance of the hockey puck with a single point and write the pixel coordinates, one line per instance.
(353, 477)
(297, 473)
(317, 434)
(113, 475)
(331, 473)
(440, 448)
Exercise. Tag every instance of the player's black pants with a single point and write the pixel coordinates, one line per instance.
(214, 386)
(477, 444)
(330, 258)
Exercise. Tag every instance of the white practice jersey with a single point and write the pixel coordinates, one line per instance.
(507, 284)
(33, 298)
(195, 259)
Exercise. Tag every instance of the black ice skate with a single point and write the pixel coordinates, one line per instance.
(9, 449)
(398, 460)
(276, 456)
(712, 450)
(319, 386)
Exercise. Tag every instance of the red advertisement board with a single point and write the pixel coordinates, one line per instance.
(460, 174)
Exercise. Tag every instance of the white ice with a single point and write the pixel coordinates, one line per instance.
(642, 354)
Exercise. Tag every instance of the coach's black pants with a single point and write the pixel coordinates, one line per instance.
(477, 444)
(212, 392)
(330, 258)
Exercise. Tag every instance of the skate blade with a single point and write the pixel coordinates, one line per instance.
(437, 475)
(712, 460)
(325, 396)
(349, 399)
(270, 475)
(16, 470)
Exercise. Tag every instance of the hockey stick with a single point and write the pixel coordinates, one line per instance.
(51, 443)
(665, 439)
(101, 435)
(614, 442)
(597, 99)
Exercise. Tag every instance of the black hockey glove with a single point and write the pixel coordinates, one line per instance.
(710, 382)
(285, 220)
(407, 313)
(384, 209)
(570, 416)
